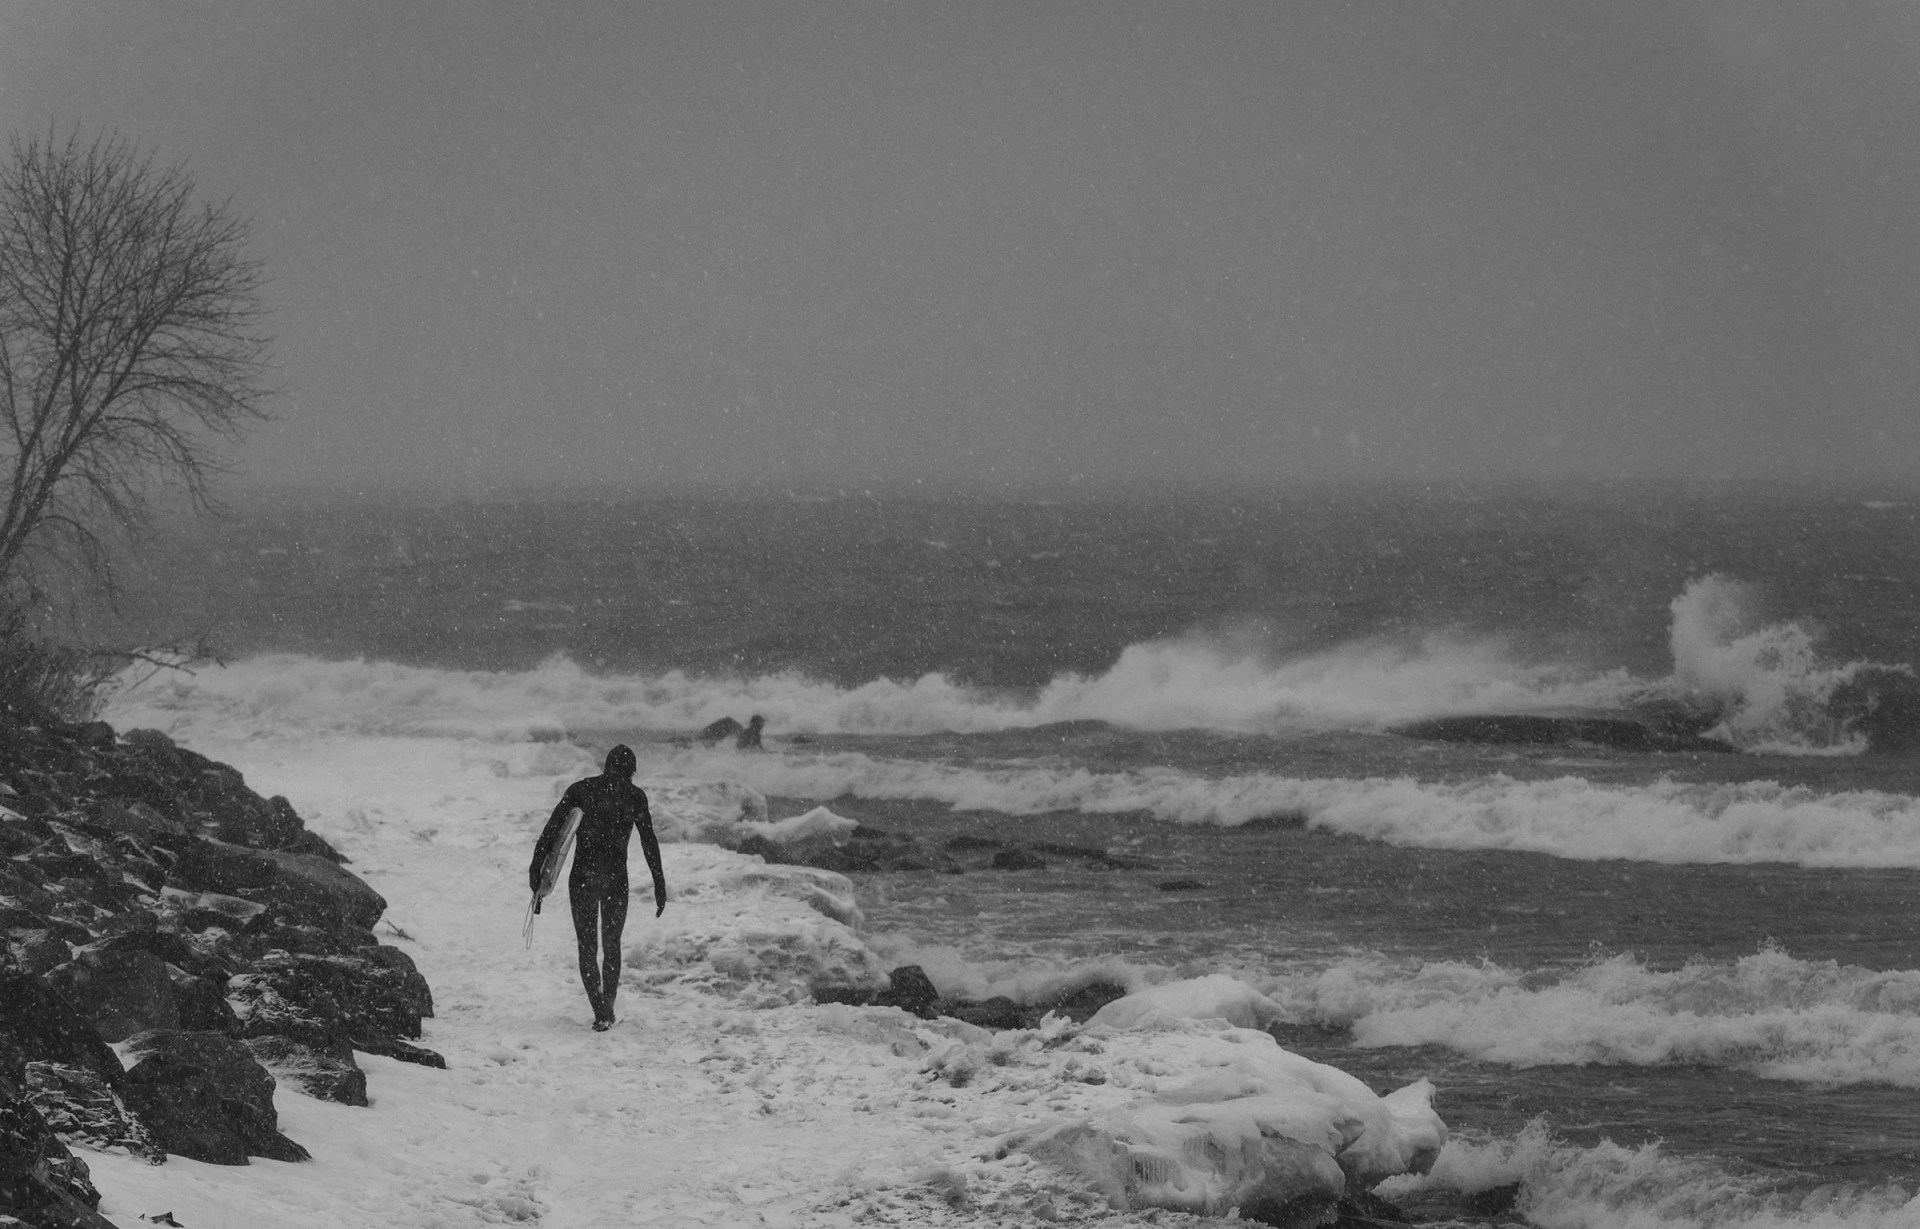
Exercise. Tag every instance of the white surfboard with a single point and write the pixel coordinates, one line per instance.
(550, 870)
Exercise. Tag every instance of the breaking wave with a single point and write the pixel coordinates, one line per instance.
(1761, 686)
(1768, 1014)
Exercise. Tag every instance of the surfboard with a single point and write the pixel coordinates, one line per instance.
(550, 870)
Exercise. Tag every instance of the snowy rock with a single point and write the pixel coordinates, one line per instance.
(1234, 1120)
(324, 1001)
(738, 926)
(39, 1178)
(324, 1072)
(1213, 997)
(82, 1109)
(204, 1096)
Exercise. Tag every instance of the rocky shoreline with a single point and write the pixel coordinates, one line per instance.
(151, 901)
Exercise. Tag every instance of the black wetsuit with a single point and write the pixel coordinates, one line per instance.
(611, 807)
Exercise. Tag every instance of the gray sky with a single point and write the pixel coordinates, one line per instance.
(1043, 242)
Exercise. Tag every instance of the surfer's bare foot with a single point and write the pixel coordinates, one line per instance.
(602, 1025)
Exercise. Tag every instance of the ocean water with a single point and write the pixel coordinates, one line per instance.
(1656, 987)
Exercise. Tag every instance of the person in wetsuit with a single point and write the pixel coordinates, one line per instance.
(611, 807)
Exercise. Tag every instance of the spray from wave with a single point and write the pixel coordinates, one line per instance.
(1763, 686)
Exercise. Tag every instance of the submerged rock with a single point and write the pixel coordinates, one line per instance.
(1623, 732)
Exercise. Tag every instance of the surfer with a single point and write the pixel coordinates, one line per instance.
(745, 737)
(611, 807)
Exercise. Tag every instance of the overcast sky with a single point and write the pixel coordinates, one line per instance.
(1044, 241)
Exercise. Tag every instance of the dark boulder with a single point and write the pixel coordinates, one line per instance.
(42, 1183)
(303, 887)
(206, 1097)
(201, 1002)
(324, 1072)
(1081, 1002)
(36, 951)
(37, 1025)
(1018, 859)
(404, 1051)
(327, 1000)
(996, 1013)
(910, 989)
(121, 991)
(83, 1110)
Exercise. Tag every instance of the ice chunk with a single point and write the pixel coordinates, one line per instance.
(1213, 997)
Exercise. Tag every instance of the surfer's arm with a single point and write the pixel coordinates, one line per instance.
(650, 846)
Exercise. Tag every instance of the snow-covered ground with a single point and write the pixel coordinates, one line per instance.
(723, 1096)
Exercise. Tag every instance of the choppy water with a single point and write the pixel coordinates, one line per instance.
(1665, 987)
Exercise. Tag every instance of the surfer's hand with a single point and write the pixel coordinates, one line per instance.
(659, 905)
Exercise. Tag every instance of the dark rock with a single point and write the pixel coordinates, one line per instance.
(305, 887)
(41, 1182)
(95, 734)
(37, 1025)
(909, 989)
(324, 1072)
(327, 1000)
(200, 910)
(136, 819)
(36, 951)
(83, 1110)
(406, 1052)
(201, 1003)
(1018, 859)
(121, 991)
(1081, 1003)
(411, 984)
(206, 1097)
(152, 741)
(997, 1013)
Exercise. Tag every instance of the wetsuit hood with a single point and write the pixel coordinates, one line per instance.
(621, 762)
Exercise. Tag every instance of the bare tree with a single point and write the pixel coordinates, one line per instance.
(129, 350)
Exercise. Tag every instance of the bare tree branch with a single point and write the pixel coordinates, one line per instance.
(130, 349)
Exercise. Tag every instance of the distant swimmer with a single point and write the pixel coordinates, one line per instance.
(745, 737)
(611, 809)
